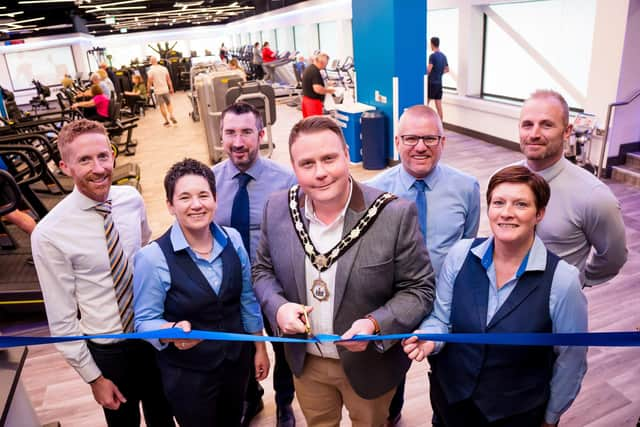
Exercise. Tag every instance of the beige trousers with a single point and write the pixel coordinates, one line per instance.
(324, 387)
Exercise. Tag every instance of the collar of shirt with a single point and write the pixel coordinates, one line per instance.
(254, 171)
(179, 241)
(84, 202)
(552, 171)
(310, 214)
(407, 179)
(535, 260)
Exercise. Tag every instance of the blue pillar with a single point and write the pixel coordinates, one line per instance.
(390, 44)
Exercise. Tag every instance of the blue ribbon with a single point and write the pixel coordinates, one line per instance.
(584, 339)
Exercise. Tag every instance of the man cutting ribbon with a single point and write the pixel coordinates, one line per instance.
(351, 258)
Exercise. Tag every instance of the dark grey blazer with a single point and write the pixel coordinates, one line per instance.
(386, 273)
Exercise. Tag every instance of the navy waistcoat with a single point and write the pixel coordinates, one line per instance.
(501, 380)
(192, 298)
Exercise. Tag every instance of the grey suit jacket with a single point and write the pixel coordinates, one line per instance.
(386, 273)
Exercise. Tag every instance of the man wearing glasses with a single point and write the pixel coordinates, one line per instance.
(245, 180)
(448, 200)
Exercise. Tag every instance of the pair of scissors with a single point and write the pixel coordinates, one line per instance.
(307, 327)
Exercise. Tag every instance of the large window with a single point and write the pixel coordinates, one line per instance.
(46, 65)
(200, 45)
(256, 37)
(123, 55)
(306, 39)
(328, 36)
(270, 36)
(538, 45)
(443, 23)
(284, 38)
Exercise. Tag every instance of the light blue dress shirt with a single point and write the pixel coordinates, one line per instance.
(152, 280)
(453, 205)
(567, 308)
(268, 177)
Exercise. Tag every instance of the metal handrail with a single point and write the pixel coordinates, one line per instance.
(606, 127)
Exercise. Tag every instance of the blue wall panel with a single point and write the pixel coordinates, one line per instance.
(389, 40)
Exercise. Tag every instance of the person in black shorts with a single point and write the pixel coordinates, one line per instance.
(438, 65)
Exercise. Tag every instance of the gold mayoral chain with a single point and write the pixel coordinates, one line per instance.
(322, 261)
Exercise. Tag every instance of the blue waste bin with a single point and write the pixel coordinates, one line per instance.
(348, 117)
(374, 140)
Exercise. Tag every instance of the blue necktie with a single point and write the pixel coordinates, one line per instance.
(240, 209)
(421, 203)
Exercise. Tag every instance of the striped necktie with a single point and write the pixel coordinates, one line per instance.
(120, 269)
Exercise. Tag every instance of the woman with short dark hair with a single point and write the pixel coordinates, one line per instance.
(504, 284)
(198, 275)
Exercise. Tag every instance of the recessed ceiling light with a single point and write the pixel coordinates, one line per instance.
(185, 4)
(26, 20)
(11, 14)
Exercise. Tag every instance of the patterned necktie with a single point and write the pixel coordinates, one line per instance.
(421, 203)
(240, 209)
(120, 269)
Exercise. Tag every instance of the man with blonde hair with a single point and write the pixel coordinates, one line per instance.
(81, 250)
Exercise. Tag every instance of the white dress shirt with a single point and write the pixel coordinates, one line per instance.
(70, 254)
(324, 238)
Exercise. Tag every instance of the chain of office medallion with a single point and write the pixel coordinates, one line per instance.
(323, 261)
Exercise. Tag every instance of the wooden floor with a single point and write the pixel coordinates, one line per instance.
(610, 394)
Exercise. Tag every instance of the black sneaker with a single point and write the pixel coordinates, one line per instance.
(173, 120)
(167, 124)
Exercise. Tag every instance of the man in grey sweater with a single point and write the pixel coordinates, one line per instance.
(583, 224)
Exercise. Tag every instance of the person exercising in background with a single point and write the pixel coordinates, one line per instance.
(438, 65)
(267, 56)
(158, 77)
(313, 88)
(109, 71)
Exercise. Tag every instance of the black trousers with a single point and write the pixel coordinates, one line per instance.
(282, 376)
(131, 366)
(258, 71)
(466, 413)
(208, 398)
